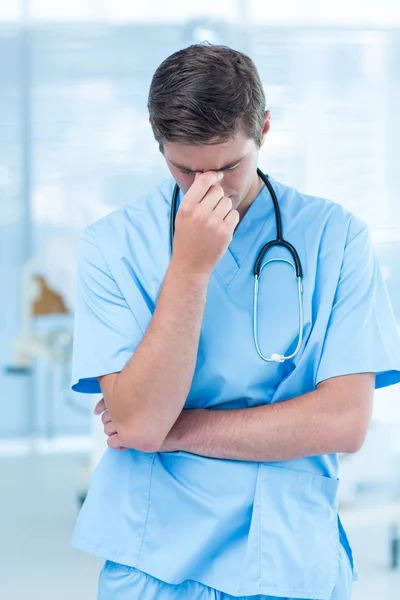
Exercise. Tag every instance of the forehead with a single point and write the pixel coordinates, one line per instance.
(208, 157)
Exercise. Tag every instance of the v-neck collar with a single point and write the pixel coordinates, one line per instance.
(245, 236)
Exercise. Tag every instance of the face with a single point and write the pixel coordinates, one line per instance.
(236, 158)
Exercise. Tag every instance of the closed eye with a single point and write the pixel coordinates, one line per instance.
(228, 169)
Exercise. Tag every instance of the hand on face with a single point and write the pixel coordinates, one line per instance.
(205, 224)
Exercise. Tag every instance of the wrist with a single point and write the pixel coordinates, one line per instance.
(178, 270)
(178, 438)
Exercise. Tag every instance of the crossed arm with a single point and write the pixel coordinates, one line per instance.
(333, 418)
(145, 411)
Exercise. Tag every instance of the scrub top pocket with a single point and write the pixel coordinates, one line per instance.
(299, 553)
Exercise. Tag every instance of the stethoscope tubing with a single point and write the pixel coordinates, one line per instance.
(259, 266)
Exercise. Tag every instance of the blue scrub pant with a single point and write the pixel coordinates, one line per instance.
(119, 582)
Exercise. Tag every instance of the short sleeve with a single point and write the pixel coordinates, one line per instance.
(362, 334)
(106, 332)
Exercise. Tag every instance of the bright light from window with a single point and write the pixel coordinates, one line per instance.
(131, 10)
(71, 10)
(384, 12)
(9, 10)
(173, 10)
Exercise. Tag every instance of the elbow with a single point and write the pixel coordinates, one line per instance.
(353, 441)
(353, 445)
(351, 428)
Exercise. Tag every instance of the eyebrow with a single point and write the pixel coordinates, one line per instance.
(229, 166)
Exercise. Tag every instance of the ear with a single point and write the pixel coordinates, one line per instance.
(266, 127)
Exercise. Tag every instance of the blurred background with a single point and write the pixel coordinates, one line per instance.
(75, 144)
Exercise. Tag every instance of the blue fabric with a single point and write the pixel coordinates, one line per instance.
(237, 527)
(119, 582)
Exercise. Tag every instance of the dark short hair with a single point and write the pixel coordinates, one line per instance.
(205, 94)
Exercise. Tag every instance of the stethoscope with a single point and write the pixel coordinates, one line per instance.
(259, 266)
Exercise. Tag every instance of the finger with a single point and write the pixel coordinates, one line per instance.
(201, 185)
(100, 406)
(223, 208)
(232, 219)
(115, 443)
(105, 417)
(212, 198)
(109, 429)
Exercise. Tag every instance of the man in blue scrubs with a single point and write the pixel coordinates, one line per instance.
(221, 475)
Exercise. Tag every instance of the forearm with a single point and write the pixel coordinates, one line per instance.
(308, 425)
(151, 390)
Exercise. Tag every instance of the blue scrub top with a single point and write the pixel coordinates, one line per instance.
(239, 527)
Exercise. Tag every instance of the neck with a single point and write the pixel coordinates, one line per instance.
(251, 195)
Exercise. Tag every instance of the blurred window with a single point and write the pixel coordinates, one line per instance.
(74, 133)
